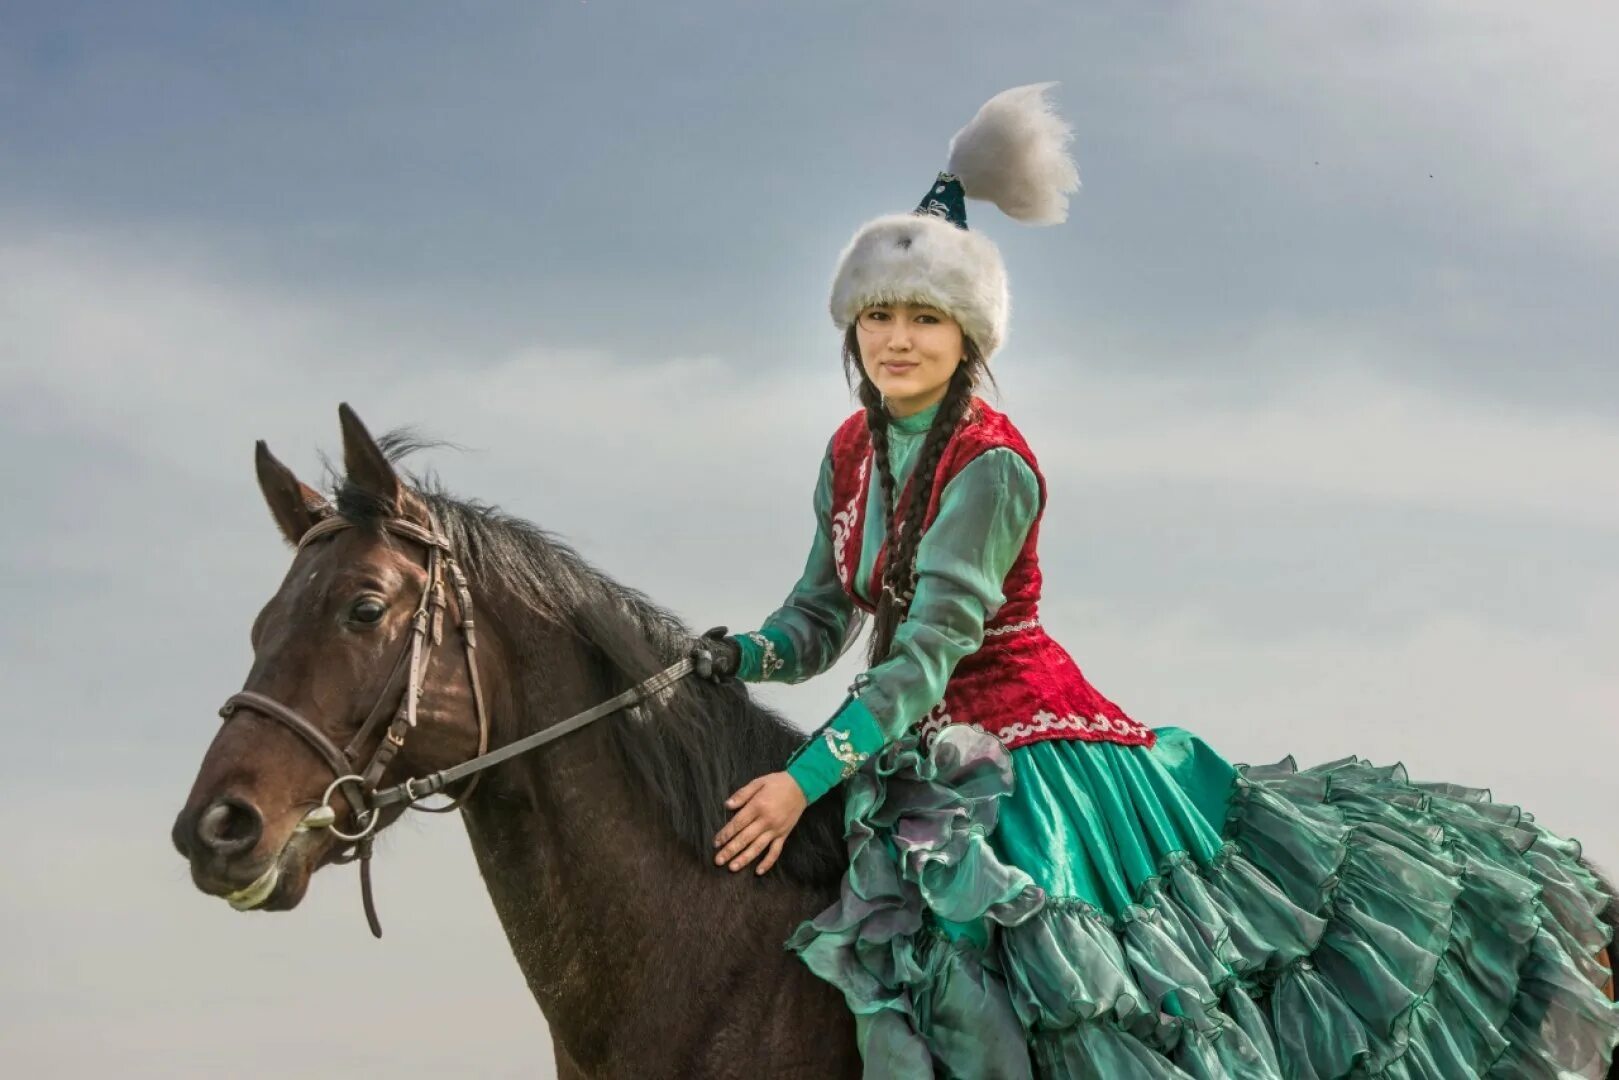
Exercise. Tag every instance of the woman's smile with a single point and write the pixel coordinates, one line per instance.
(925, 346)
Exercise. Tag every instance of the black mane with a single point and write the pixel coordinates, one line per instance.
(687, 752)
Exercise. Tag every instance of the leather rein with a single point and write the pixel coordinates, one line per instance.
(360, 785)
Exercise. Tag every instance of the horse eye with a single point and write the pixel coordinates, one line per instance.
(367, 611)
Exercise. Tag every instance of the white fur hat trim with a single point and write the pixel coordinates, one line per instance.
(918, 258)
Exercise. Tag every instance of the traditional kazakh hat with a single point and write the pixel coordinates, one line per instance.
(1014, 153)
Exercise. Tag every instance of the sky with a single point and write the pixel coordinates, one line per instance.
(1319, 370)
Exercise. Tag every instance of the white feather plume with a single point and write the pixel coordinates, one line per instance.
(1014, 153)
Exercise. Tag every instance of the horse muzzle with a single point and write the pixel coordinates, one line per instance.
(220, 841)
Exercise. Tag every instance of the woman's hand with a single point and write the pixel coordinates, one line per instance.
(766, 808)
(715, 656)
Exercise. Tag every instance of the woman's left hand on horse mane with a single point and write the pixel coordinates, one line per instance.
(766, 809)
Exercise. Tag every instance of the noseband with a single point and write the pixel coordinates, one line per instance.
(359, 785)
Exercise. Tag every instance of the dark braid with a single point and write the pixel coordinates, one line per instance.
(899, 569)
(877, 424)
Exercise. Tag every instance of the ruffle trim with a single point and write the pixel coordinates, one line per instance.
(1352, 922)
(1460, 933)
(917, 826)
(1375, 922)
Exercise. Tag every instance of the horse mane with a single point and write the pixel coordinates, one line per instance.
(688, 751)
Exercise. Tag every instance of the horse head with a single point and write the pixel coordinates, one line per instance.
(336, 652)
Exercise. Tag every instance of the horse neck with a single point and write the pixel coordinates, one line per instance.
(599, 900)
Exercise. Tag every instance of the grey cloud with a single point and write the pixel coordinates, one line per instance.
(1330, 451)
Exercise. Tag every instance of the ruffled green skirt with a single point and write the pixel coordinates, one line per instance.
(1077, 909)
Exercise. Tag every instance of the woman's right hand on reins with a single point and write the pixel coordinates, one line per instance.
(715, 656)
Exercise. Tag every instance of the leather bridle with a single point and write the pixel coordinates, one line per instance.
(359, 784)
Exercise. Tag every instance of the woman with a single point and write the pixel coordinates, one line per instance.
(1037, 882)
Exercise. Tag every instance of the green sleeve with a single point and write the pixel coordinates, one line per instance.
(832, 754)
(961, 563)
(807, 634)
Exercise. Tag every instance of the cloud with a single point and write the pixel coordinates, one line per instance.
(175, 362)
(1510, 104)
(1339, 488)
(1253, 417)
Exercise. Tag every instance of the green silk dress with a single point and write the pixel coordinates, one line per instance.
(1088, 909)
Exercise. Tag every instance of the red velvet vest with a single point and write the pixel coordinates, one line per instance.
(1020, 685)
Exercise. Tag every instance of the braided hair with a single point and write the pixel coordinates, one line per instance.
(899, 569)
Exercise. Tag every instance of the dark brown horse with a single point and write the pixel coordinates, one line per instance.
(646, 959)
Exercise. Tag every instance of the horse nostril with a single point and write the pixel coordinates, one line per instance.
(229, 826)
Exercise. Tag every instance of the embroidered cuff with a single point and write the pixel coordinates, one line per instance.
(834, 752)
(765, 656)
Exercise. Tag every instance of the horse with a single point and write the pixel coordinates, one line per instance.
(596, 850)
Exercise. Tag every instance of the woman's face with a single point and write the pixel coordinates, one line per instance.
(910, 351)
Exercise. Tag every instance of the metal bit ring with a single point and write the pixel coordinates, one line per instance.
(367, 817)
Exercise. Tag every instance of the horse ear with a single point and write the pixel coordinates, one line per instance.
(295, 506)
(368, 467)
